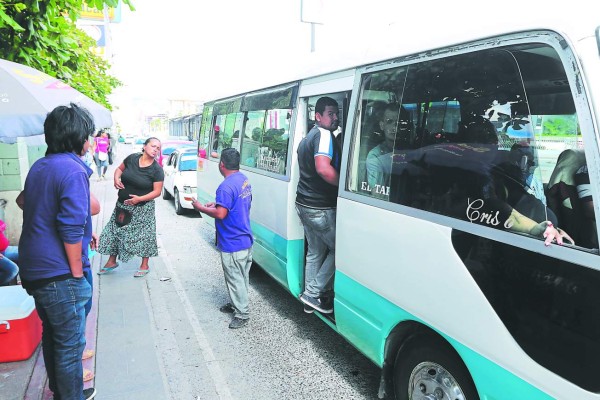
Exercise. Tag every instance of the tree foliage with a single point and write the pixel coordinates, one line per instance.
(561, 125)
(42, 34)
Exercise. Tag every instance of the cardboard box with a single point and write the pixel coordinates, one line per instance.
(20, 326)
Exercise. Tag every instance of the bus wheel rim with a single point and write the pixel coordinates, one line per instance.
(431, 381)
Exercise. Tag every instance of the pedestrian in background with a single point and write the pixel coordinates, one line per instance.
(112, 148)
(231, 212)
(101, 148)
(319, 155)
(53, 249)
(131, 230)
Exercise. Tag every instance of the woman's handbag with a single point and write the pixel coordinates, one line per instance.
(122, 216)
(102, 156)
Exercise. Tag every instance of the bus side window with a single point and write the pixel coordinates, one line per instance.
(266, 139)
(253, 134)
(205, 131)
(378, 132)
(468, 149)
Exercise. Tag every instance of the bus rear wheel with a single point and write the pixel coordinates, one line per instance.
(428, 369)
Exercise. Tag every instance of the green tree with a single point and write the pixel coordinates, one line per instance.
(42, 34)
(560, 125)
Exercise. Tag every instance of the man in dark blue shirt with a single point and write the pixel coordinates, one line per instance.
(319, 156)
(53, 249)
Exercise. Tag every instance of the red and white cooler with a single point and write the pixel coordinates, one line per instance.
(20, 326)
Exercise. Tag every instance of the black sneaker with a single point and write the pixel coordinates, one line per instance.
(238, 323)
(316, 303)
(327, 302)
(227, 308)
(308, 309)
(89, 393)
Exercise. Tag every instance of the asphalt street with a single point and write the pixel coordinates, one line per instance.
(162, 336)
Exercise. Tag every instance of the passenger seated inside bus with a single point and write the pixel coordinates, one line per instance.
(522, 155)
(510, 187)
(505, 203)
(476, 181)
(370, 136)
(215, 144)
(586, 202)
(562, 192)
(395, 126)
(477, 129)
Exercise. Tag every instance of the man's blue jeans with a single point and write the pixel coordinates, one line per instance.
(8, 268)
(60, 306)
(319, 230)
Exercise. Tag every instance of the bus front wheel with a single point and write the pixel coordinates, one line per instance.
(428, 368)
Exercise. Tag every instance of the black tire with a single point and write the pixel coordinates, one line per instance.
(436, 360)
(178, 209)
(165, 194)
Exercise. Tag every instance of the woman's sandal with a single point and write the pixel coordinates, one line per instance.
(105, 270)
(88, 375)
(140, 273)
(87, 353)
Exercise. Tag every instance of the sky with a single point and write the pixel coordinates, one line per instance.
(203, 49)
(186, 49)
(199, 50)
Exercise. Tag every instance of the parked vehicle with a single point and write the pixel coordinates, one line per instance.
(128, 139)
(168, 146)
(180, 178)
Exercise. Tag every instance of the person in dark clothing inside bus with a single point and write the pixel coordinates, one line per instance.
(319, 156)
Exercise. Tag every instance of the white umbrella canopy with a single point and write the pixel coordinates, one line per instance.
(28, 95)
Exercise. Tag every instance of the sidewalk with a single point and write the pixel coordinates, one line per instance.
(119, 329)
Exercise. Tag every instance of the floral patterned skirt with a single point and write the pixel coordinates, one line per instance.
(138, 238)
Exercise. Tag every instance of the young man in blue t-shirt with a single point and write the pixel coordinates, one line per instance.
(231, 212)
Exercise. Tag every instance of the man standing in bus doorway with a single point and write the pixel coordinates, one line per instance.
(319, 156)
(231, 212)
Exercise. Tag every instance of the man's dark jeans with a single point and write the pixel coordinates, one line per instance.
(60, 306)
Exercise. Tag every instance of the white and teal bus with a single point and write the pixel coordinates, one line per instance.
(431, 285)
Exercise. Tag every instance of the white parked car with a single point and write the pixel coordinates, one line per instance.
(128, 139)
(180, 178)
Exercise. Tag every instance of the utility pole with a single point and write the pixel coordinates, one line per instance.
(312, 12)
